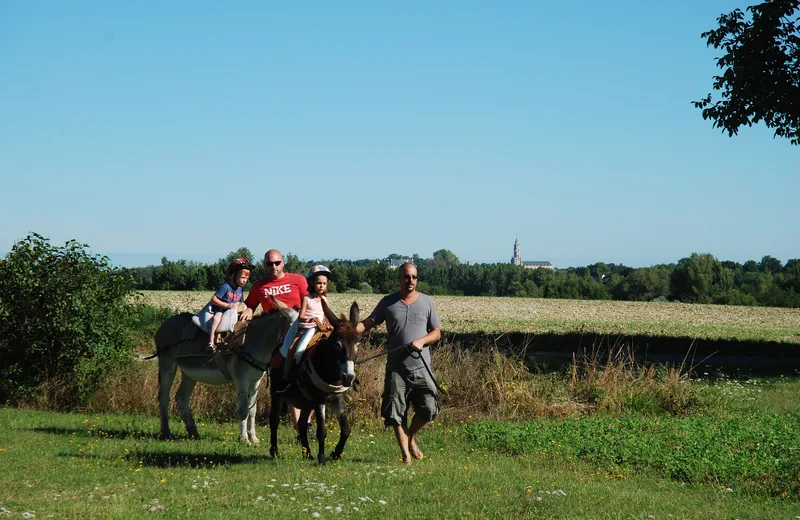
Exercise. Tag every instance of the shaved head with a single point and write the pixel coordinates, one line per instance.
(407, 276)
(274, 265)
(273, 254)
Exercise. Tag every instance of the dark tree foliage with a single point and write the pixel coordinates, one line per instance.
(63, 316)
(701, 279)
(697, 279)
(761, 69)
(444, 257)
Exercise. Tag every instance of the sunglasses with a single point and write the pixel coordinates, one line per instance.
(276, 263)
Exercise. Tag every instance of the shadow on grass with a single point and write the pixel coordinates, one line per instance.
(100, 433)
(203, 460)
(174, 459)
(167, 459)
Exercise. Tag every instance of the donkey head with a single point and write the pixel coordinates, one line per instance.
(346, 339)
(288, 313)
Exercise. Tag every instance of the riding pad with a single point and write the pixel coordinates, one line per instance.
(203, 320)
(196, 344)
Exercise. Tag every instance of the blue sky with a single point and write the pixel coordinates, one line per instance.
(350, 130)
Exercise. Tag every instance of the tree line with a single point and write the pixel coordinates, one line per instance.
(699, 278)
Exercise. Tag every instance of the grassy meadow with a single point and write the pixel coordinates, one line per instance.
(491, 315)
(738, 458)
(598, 439)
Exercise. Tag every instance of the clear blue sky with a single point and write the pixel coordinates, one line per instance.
(356, 130)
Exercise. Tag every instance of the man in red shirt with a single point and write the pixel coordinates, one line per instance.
(289, 288)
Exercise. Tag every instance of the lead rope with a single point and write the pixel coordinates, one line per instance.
(414, 355)
(418, 355)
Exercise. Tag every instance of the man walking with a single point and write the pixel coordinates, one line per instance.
(412, 323)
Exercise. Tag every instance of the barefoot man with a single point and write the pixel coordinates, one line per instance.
(411, 322)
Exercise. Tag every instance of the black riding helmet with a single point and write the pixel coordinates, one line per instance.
(238, 265)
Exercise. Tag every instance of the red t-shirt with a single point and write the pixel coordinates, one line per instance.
(290, 290)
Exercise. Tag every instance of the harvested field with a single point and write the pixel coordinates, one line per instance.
(488, 315)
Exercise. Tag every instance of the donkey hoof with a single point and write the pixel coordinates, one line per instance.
(321, 459)
(165, 436)
(254, 440)
(335, 456)
(273, 452)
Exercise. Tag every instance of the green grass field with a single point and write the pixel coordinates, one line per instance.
(614, 441)
(112, 466)
(544, 316)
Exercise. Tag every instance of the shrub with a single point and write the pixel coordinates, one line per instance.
(63, 316)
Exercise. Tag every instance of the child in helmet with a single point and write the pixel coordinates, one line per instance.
(226, 298)
(311, 308)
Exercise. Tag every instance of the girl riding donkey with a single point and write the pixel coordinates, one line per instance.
(225, 301)
(303, 330)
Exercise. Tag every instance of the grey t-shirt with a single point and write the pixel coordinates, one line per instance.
(405, 323)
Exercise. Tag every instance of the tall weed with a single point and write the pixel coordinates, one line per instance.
(481, 381)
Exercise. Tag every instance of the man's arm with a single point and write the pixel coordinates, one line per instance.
(374, 319)
(365, 325)
(251, 302)
(431, 337)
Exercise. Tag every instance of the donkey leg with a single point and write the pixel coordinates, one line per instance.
(302, 431)
(322, 432)
(182, 400)
(166, 376)
(251, 416)
(246, 403)
(274, 414)
(344, 427)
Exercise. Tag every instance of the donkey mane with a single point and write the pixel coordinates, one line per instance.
(346, 329)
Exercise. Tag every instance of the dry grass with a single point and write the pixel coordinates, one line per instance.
(543, 316)
(614, 381)
(481, 382)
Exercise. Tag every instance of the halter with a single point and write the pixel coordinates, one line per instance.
(321, 384)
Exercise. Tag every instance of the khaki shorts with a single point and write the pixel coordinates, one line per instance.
(400, 390)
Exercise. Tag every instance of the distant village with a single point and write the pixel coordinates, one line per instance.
(395, 262)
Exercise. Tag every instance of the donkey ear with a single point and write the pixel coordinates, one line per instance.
(332, 319)
(354, 312)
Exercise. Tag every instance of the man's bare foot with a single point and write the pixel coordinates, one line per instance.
(414, 450)
(406, 460)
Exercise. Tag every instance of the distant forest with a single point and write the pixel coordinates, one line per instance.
(699, 278)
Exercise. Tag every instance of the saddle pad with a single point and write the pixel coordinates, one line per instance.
(234, 339)
(316, 338)
(203, 320)
(195, 344)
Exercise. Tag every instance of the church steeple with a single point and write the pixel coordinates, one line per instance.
(517, 258)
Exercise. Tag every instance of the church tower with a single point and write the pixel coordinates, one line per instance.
(517, 259)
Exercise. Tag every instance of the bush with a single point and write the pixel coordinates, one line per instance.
(63, 316)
